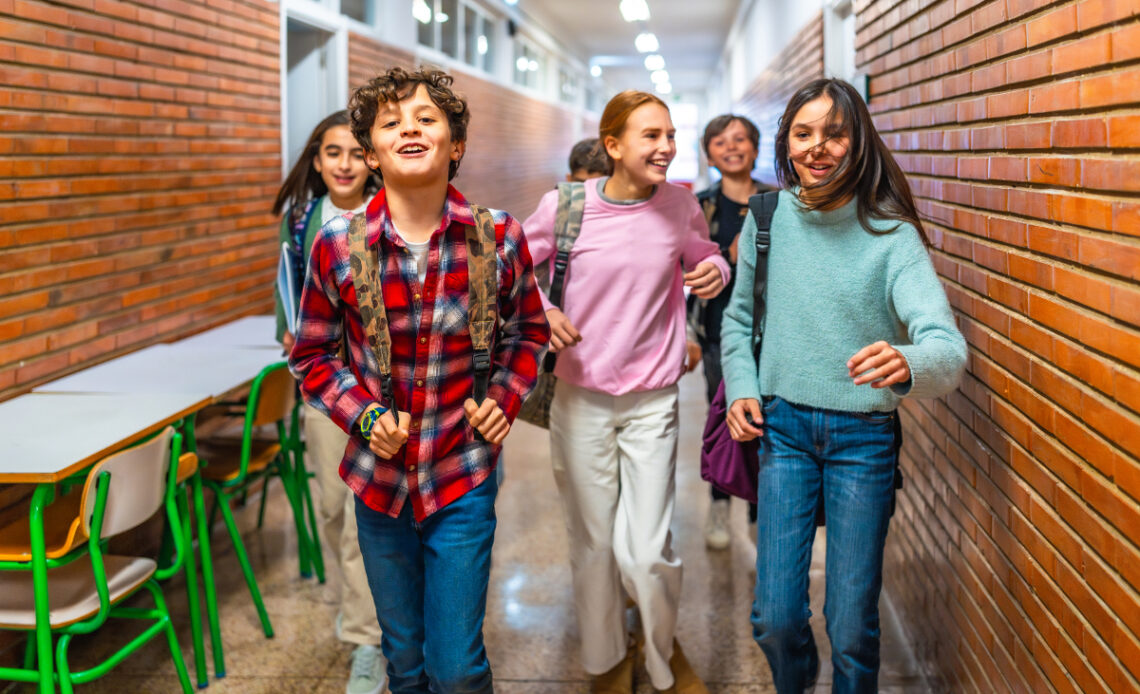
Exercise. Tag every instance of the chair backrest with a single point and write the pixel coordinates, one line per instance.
(138, 480)
(273, 394)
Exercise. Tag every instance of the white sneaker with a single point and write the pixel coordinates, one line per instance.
(369, 671)
(716, 527)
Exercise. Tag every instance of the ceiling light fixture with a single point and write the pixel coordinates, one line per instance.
(664, 88)
(646, 42)
(596, 70)
(659, 76)
(634, 10)
(654, 62)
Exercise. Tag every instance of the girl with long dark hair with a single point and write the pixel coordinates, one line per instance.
(856, 320)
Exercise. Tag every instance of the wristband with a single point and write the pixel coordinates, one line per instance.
(369, 420)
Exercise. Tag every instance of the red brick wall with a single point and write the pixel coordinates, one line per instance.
(764, 102)
(517, 146)
(1014, 553)
(139, 149)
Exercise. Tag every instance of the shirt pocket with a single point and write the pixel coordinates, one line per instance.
(451, 306)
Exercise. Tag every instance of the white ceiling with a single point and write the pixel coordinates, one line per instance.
(691, 35)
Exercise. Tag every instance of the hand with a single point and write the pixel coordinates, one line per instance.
(287, 342)
(692, 355)
(488, 419)
(563, 334)
(878, 364)
(388, 437)
(704, 280)
(739, 426)
(733, 248)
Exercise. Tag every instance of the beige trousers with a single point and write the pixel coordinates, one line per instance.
(336, 511)
(615, 459)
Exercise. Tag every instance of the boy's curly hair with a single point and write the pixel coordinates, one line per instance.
(398, 84)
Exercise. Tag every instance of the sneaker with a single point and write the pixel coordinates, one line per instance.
(368, 674)
(716, 527)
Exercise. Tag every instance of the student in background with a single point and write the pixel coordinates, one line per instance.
(731, 144)
(855, 320)
(620, 339)
(331, 179)
(588, 160)
(424, 481)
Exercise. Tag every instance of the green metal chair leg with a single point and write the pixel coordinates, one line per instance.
(243, 559)
(304, 547)
(171, 637)
(208, 577)
(30, 651)
(314, 538)
(191, 571)
(65, 685)
(264, 496)
(44, 657)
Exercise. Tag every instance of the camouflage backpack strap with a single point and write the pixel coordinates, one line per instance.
(483, 294)
(567, 226)
(370, 300)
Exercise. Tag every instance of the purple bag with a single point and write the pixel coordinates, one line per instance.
(728, 465)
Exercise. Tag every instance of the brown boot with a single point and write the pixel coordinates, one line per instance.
(685, 680)
(618, 679)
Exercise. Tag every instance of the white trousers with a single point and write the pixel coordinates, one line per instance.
(336, 510)
(614, 461)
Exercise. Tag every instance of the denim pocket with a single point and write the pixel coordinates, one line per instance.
(768, 403)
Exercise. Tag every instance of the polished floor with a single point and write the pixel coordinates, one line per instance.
(530, 629)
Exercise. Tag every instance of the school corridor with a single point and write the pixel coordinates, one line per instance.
(142, 144)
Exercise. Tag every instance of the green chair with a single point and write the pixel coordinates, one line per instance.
(231, 466)
(85, 587)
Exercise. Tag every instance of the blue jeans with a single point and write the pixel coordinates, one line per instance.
(429, 583)
(846, 461)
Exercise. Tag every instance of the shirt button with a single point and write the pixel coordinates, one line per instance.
(423, 340)
(420, 383)
(416, 297)
(411, 468)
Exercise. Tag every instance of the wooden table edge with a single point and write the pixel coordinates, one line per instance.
(59, 475)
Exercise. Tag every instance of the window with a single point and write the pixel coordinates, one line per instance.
(360, 10)
(478, 39)
(839, 44)
(569, 84)
(530, 64)
(458, 28)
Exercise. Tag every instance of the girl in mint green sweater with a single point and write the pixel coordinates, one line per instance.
(855, 320)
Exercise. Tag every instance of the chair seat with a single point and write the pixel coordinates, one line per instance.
(71, 590)
(187, 466)
(223, 457)
(61, 531)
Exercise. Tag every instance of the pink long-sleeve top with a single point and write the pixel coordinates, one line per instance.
(624, 287)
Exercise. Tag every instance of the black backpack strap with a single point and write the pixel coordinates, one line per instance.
(762, 206)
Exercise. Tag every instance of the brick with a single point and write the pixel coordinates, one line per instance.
(1028, 136)
(1051, 26)
(1121, 259)
(1007, 105)
(1096, 13)
(1109, 90)
(1080, 133)
(1055, 171)
(1060, 96)
(1030, 67)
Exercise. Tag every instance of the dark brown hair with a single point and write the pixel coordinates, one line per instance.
(304, 182)
(868, 172)
(589, 154)
(398, 84)
(719, 124)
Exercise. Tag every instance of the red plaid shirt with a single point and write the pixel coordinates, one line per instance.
(432, 370)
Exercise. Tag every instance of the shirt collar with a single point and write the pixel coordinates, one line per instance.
(455, 210)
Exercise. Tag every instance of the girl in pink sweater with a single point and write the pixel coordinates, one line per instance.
(620, 339)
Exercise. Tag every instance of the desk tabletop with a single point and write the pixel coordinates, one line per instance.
(176, 368)
(255, 332)
(47, 437)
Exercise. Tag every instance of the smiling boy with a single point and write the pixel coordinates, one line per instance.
(424, 481)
